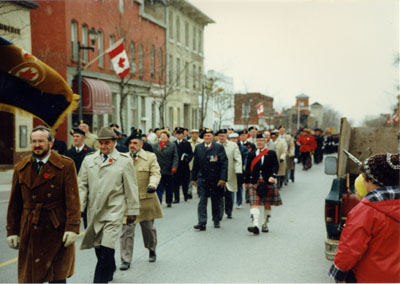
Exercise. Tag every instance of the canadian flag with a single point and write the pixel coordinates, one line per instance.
(119, 59)
(260, 110)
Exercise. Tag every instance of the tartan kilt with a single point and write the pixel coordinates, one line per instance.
(273, 196)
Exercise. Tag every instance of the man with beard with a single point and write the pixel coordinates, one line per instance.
(43, 217)
(209, 174)
(107, 185)
(148, 176)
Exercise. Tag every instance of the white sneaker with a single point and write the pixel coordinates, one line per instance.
(238, 206)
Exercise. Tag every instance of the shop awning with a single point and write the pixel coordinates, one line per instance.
(96, 96)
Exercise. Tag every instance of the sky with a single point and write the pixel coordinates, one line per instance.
(340, 53)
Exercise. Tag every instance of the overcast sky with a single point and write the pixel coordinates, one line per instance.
(340, 53)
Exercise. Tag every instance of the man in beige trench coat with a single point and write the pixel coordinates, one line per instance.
(148, 176)
(107, 185)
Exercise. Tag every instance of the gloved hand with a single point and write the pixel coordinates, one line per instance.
(194, 183)
(130, 219)
(221, 183)
(173, 171)
(151, 189)
(13, 241)
(69, 238)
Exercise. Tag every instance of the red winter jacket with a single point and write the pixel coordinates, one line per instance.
(370, 242)
(307, 143)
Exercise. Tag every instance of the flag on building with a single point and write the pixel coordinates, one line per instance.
(119, 59)
(29, 85)
(260, 110)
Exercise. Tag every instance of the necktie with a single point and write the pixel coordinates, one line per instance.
(105, 158)
(39, 165)
(134, 156)
(77, 150)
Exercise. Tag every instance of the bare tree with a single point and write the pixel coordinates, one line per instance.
(210, 89)
(330, 118)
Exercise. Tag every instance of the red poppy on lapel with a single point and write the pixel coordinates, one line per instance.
(110, 160)
(210, 146)
(85, 149)
(46, 175)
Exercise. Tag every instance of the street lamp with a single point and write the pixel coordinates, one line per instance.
(92, 37)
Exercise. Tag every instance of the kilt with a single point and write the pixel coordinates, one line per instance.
(273, 196)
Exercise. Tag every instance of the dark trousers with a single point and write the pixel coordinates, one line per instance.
(58, 281)
(84, 217)
(239, 194)
(105, 267)
(226, 204)
(181, 178)
(166, 184)
(305, 160)
(205, 191)
(318, 156)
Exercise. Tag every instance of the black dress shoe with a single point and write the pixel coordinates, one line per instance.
(175, 201)
(190, 196)
(169, 205)
(255, 230)
(200, 227)
(152, 256)
(125, 266)
(230, 216)
(217, 225)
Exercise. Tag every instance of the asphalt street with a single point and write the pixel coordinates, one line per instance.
(293, 250)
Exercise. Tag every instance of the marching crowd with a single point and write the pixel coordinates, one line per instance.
(115, 181)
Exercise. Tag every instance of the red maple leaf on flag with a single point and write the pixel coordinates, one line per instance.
(121, 62)
(28, 74)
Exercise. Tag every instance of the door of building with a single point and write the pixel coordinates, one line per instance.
(7, 138)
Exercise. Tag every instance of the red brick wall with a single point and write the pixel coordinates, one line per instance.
(51, 35)
(253, 99)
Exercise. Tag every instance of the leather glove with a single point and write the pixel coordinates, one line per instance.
(221, 183)
(13, 241)
(151, 189)
(173, 171)
(69, 238)
(194, 182)
(130, 219)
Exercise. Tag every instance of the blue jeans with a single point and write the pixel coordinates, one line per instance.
(166, 184)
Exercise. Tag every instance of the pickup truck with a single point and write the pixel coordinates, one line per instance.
(360, 142)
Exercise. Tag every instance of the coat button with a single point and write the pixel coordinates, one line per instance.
(37, 260)
(52, 185)
(33, 196)
(48, 194)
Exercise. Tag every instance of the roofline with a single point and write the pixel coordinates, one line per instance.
(26, 3)
(203, 17)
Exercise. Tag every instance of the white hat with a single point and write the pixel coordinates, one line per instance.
(234, 135)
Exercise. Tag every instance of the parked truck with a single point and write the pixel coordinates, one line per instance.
(360, 142)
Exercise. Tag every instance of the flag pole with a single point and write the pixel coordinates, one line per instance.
(104, 52)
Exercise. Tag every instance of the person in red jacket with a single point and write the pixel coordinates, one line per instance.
(369, 247)
(307, 145)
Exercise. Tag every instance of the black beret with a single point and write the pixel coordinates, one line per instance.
(260, 135)
(76, 130)
(253, 127)
(207, 130)
(222, 131)
(244, 131)
(135, 134)
(156, 129)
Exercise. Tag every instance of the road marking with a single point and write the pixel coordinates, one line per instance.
(9, 262)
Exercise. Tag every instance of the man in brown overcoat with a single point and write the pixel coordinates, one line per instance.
(43, 216)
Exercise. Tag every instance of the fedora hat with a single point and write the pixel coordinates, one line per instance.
(107, 133)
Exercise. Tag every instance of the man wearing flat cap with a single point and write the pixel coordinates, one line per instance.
(182, 175)
(108, 188)
(210, 173)
(148, 176)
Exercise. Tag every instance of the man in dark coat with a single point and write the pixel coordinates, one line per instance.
(209, 173)
(43, 217)
(185, 155)
(167, 158)
(80, 149)
(319, 152)
(78, 153)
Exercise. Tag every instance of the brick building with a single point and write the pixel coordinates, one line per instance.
(246, 112)
(15, 26)
(58, 26)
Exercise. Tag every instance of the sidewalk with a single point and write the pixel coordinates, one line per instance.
(5, 180)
